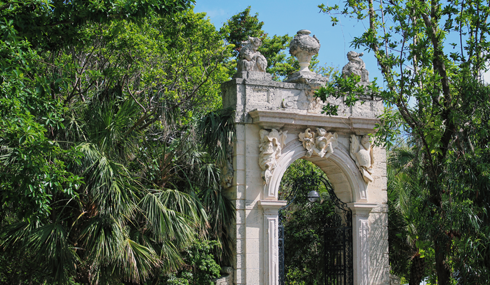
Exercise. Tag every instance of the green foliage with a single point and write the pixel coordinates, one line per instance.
(33, 164)
(304, 224)
(431, 55)
(201, 268)
(54, 24)
(218, 132)
(101, 169)
(241, 26)
(404, 216)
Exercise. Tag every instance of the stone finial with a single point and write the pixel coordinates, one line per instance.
(362, 154)
(356, 66)
(304, 47)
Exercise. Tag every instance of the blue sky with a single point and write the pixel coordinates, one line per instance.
(288, 17)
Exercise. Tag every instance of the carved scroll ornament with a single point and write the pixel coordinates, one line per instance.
(271, 145)
(362, 154)
(321, 143)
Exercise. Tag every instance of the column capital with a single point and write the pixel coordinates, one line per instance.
(361, 209)
(271, 207)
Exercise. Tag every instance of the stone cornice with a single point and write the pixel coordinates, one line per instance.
(278, 119)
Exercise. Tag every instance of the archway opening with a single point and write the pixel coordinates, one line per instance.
(315, 232)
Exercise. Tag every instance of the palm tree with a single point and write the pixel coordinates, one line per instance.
(128, 100)
(405, 258)
(120, 225)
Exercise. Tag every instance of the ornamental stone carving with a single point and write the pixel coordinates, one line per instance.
(304, 47)
(356, 66)
(250, 59)
(321, 143)
(271, 145)
(362, 154)
(315, 104)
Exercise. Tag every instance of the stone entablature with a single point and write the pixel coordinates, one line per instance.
(246, 95)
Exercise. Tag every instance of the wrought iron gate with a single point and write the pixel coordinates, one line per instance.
(337, 256)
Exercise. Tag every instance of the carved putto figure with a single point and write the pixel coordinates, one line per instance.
(356, 66)
(321, 143)
(362, 154)
(250, 59)
(271, 145)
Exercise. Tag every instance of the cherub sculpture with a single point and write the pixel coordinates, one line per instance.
(325, 142)
(250, 59)
(362, 154)
(356, 66)
(271, 145)
(320, 143)
(308, 139)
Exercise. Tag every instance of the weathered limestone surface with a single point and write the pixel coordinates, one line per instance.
(248, 95)
(272, 119)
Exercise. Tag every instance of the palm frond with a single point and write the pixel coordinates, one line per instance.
(217, 131)
(137, 261)
(172, 215)
(221, 213)
(108, 183)
(48, 244)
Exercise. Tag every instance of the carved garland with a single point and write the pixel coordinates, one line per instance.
(271, 145)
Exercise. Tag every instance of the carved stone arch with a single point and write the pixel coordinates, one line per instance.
(346, 179)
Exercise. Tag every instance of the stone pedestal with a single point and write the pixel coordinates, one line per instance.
(290, 108)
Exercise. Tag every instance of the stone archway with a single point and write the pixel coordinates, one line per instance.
(349, 186)
(339, 168)
(257, 203)
(269, 116)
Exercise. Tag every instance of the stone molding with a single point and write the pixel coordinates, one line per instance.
(279, 119)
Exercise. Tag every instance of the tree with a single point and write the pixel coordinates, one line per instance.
(407, 258)
(101, 170)
(431, 54)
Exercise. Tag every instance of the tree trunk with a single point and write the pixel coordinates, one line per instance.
(442, 269)
(417, 270)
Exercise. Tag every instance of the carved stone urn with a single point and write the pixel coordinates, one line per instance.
(303, 47)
